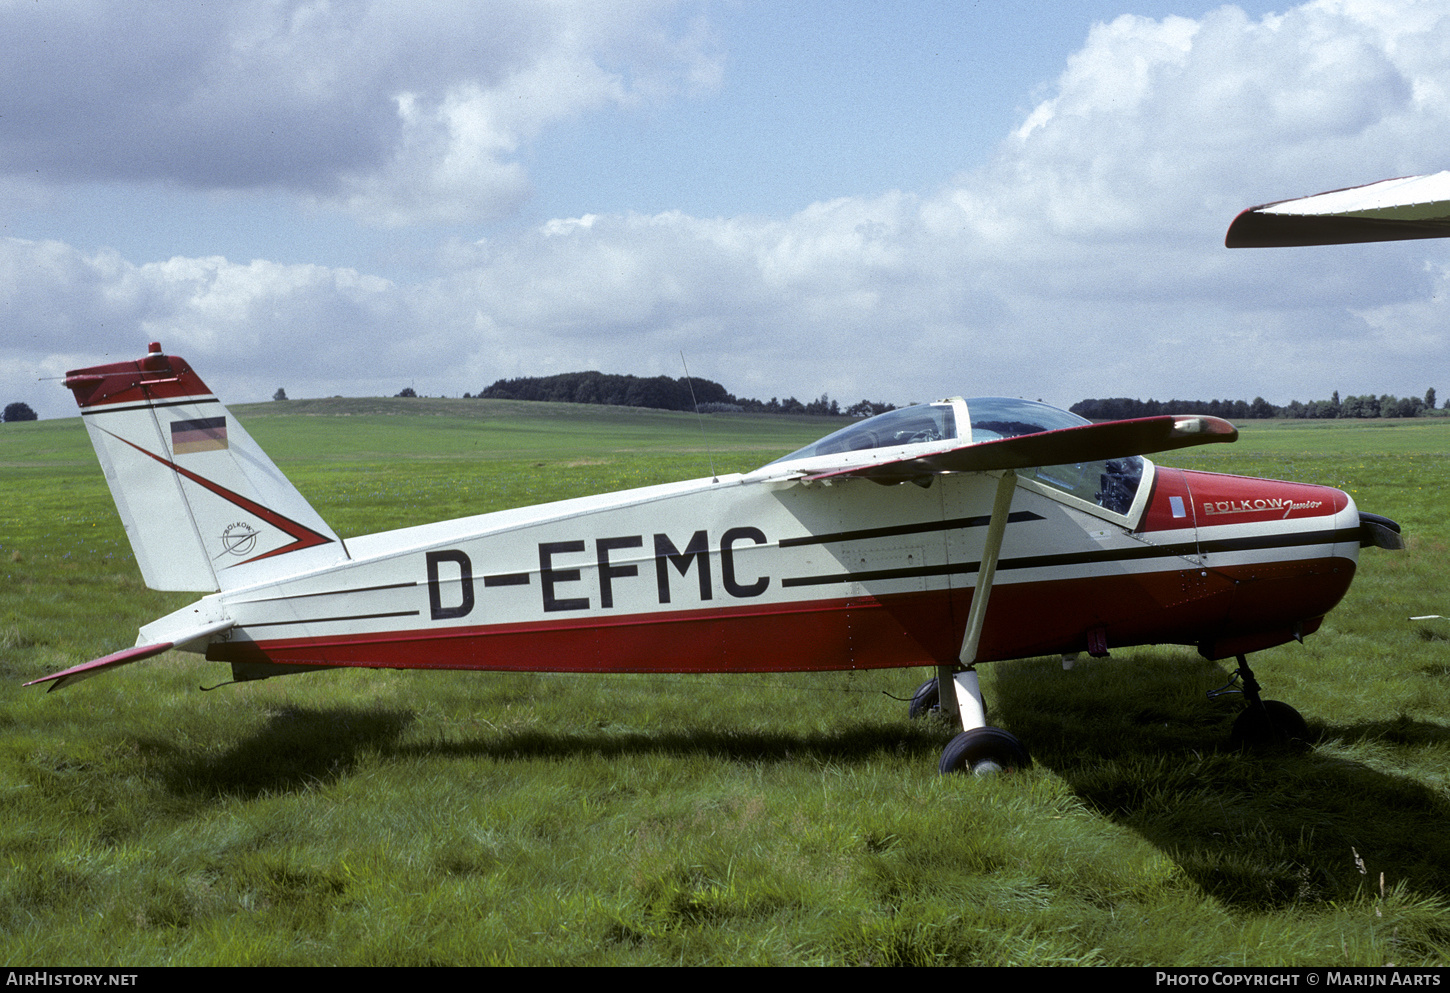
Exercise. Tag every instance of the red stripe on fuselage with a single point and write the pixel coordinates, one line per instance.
(1181, 606)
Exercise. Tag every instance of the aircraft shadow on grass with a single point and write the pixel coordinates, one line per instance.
(843, 747)
(297, 749)
(1255, 831)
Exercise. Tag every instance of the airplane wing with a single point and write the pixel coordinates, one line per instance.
(1390, 210)
(88, 669)
(1083, 443)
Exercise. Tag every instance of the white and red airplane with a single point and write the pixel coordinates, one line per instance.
(881, 545)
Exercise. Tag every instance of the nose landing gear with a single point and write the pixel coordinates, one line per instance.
(1264, 723)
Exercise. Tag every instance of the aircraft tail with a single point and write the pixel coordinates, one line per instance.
(204, 508)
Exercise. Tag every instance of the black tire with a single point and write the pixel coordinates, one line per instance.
(1276, 726)
(983, 751)
(926, 700)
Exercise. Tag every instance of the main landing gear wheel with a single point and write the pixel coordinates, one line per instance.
(984, 751)
(926, 700)
(1273, 725)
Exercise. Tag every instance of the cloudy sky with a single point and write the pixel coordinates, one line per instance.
(884, 201)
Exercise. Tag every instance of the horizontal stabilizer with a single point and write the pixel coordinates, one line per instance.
(88, 669)
(1390, 210)
(1084, 443)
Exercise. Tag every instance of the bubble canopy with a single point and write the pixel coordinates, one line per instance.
(1109, 484)
(989, 418)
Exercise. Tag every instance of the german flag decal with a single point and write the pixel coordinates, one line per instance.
(206, 435)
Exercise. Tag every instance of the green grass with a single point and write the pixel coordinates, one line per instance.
(459, 818)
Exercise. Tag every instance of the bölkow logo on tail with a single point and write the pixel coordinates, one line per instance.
(239, 539)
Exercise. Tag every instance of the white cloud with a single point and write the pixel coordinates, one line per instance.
(400, 113)
(1085, 260)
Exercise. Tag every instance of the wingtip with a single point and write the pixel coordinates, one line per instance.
(1203, 424)
(1241, 233)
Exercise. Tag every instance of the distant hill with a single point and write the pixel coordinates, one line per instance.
(661, 393)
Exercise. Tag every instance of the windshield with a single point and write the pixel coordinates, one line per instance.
(923, 423)
(1006, 417)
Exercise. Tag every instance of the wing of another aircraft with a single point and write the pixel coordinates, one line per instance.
(1390, 210)
(1060, 446)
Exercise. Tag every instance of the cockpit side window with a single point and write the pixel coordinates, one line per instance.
(1110, 484)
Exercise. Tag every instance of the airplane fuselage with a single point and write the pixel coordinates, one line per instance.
(747, 574)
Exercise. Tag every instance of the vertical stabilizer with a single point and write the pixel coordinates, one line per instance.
(204, 507)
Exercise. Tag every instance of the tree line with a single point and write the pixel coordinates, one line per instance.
(662, 393)
(1386, 405)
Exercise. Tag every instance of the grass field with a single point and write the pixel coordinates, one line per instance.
(409, 818)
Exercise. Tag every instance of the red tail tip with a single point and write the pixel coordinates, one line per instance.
(155, 348)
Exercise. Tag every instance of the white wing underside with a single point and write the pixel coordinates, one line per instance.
(1391, 210)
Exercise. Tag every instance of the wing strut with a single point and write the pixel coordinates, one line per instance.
(949, 678)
